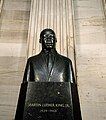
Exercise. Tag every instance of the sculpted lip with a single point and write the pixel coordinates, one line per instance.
(49, 44)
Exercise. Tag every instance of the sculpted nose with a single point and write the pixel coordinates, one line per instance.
(48, 40)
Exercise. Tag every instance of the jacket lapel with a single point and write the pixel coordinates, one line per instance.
(52, 68)
(56, 64)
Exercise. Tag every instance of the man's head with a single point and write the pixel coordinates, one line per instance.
(48, 39)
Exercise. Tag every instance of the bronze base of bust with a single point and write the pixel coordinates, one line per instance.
(48, 101)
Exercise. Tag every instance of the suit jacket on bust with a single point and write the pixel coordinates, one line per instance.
(61, 70)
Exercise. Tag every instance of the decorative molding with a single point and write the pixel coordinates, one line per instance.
(104, 6)
(1, 5)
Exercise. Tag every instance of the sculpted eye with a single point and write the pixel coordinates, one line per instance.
(51, 35)
(44, 35)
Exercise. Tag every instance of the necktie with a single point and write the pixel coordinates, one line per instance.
(49, 62)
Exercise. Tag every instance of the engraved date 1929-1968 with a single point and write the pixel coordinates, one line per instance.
(50, 110)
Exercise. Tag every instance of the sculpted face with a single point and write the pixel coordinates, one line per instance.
(48, 39)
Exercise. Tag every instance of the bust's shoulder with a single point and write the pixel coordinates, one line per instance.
(34, 57)
(66, 59)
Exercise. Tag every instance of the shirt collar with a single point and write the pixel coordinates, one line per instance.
(52, 52)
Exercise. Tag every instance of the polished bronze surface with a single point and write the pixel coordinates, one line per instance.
(48, 70)
(48, 65)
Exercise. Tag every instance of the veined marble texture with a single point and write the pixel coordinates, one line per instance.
(90, 34)
(14, 20)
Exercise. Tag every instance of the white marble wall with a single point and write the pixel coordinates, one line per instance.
(14, 19)
(91, 57)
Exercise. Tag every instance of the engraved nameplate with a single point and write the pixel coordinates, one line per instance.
(48, 101)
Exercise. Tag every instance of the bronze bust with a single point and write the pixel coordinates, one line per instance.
(48, 65)
(48, 74)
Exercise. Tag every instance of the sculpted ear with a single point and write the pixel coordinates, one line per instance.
(40, 40)
(56, 39)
